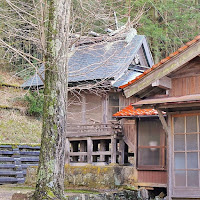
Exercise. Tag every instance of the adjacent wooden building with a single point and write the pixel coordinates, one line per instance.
(166, 141)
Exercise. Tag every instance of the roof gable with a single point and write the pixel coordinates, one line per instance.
(166, 66)
(99, 61)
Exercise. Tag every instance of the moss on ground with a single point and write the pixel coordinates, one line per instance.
(81, 191)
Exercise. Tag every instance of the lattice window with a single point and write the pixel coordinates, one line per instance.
(151, 145)
(186, 148)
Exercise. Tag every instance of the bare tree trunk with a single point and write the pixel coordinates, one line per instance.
(50, 181)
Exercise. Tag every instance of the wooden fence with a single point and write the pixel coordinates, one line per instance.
(14, 160)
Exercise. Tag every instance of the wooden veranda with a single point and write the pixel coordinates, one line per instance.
(97, 144)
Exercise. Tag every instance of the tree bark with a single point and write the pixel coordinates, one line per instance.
(50, 180)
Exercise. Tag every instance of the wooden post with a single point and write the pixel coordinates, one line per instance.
(82, 149)
(83, 108)
(105, 108)
(167, 129)
(122, 147)
(67, 151)
(113, 149)
(169, 160)
(18, 165)
(102, 148)
(89, 150)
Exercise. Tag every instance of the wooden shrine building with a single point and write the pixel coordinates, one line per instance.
(164, 124)
(97, 67)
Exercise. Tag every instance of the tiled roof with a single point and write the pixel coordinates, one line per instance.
(197, 38)
(126, 77)
(105, 60)
(131, 111)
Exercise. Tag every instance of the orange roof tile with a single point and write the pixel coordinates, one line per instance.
(163, 61)
(131, 111)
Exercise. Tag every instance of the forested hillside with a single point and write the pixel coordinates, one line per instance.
(166, 23)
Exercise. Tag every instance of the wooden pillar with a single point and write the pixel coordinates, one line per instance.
(113, 149)
(83, 148)
(67, 151)
(89, 150)
(122, 147)
(83, 108)
(105, 108)
(102, 148)
(169, 159)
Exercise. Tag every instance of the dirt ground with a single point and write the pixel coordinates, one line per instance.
(6, 191)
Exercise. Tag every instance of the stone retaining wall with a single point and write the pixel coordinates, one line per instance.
(122, 195)
(92, 177)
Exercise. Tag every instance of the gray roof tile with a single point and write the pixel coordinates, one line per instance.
(98, 61)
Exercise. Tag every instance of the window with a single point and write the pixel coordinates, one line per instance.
(113, 104)
(186, 151)
(151, 144)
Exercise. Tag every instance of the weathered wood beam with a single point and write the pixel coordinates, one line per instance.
(83, 108)
(129, 143)
(85, 138)
(101, 153)
(89, 150)
(169, 160)
(164, 83)
(165, 69)
(83, 148)
(102, 148)
(78, 154)
(113, 149)
(185, 105)
(163, 121)
(67, 151)
(121, 148)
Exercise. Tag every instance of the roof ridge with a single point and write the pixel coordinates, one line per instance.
(164, 60)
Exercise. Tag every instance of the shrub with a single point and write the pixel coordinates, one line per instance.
(35, 101)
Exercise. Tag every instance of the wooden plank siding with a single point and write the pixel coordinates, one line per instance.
(88, 108)
(130, 133)
(158, 177)
(185, 86)
(186, 80)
